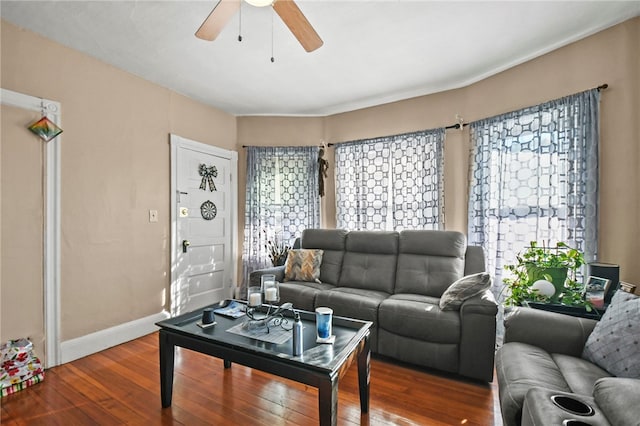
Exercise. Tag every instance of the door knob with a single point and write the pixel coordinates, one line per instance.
(185, 244)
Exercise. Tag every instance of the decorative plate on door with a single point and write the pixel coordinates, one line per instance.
(208, 210)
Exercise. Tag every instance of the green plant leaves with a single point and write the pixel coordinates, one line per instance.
(543, 262)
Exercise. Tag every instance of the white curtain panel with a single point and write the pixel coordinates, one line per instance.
(391, 183)
(534, 176)
(281, 200)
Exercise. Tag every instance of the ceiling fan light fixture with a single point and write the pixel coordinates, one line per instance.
(260, 3)
(287, 10)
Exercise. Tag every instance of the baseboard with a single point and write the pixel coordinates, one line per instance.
(80, 347)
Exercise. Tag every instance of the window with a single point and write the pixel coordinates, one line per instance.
(534, 177)
(391, 183)
(281, 199)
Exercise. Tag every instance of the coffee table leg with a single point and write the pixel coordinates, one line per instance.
(364, 359)
(167, 350)
(328, 402)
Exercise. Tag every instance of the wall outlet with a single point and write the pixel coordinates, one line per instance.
(153, 215)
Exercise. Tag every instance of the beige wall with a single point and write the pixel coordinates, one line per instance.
(607, 57)
(115, 156)
(115, 168)
(21, 289)
(611, 56)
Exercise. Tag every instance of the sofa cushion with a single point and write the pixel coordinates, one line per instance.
(302, 294)
(370, 261)
(614, 343)
(520, 367)
(332, 242)
(303, 265)
(443, 356)
(464, 288)
(579, 373)
(618, 399)
(433, 243)
(429, 261)
(473, 260)
(419, 317)
(354, 303)
(382, 242)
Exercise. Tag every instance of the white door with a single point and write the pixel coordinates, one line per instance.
(203, 224)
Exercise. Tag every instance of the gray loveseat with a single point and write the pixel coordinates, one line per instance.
(395, 280)
(542, 357)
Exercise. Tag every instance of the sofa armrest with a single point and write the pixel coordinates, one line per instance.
(478, 336)
(483, 303)
(551, 331)
(254, 277)
(474, 260)
(617, 397)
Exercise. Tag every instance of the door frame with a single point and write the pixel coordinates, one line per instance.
(178, 142)
(51, 278)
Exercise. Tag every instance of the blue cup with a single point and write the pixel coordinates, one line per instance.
(324, 319)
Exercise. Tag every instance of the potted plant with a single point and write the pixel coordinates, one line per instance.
(558, 265)
(277, 250)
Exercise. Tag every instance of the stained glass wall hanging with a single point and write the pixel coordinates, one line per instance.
(45, 129)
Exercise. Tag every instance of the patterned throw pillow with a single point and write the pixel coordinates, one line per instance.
(464, 288)
(614, 343)
(303, 265)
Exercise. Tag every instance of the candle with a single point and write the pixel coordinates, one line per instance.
(271, 294)
(255, 299)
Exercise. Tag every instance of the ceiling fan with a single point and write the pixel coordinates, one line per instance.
(288, 11)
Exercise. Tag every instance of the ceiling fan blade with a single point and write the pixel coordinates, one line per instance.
(217, 19)
(293, 18)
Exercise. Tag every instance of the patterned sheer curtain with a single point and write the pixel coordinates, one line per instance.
(534, 177)
(391, 183)
(281, 200)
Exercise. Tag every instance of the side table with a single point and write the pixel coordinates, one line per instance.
(575, 311)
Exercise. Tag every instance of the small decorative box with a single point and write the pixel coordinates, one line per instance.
(629, 288)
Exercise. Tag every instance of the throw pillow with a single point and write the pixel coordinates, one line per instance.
(614, 343)
(303, 265)
(464, 288)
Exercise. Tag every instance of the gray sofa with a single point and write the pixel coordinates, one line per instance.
(395, 280)
(542, 357)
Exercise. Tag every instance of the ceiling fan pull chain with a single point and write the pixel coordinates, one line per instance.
(272, 58)
(240, 24)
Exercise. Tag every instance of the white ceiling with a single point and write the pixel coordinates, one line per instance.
(374, 51)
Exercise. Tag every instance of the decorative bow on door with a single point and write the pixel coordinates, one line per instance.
(208, 173)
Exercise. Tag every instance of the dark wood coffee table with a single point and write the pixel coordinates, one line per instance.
(320, 365)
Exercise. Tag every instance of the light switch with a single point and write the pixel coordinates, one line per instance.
(153, 215)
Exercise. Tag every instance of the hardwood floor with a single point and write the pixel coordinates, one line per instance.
(121, 386)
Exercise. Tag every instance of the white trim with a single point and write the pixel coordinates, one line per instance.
(234, 221)
(80, 347)
(180, 142)
(52, 268)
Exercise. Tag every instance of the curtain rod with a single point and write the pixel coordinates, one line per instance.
(280, 146)
(460, 125)
(453, 126)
